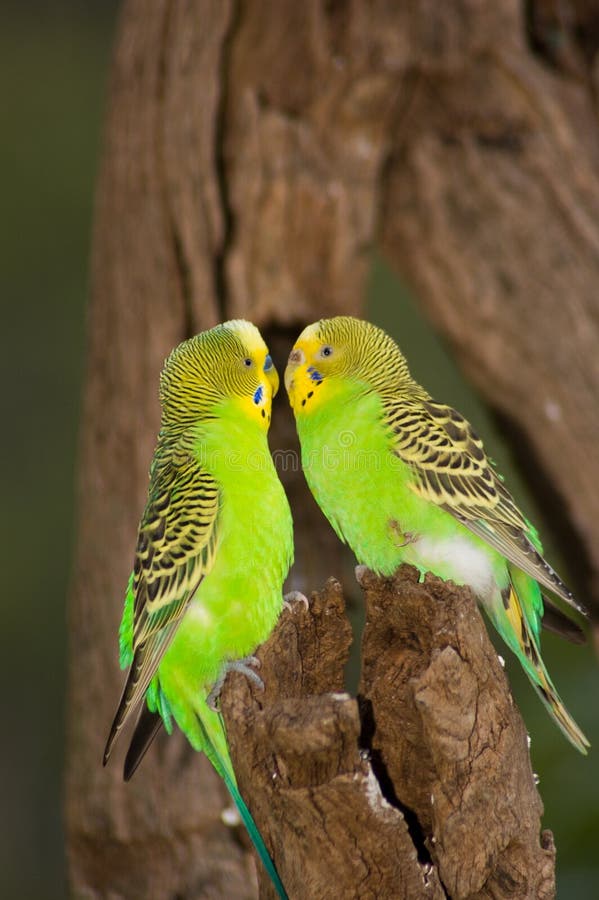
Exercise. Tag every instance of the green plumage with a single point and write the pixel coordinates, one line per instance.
(214, 547)
(403, 478)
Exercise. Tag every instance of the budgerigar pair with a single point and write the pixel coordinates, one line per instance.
(215, 539)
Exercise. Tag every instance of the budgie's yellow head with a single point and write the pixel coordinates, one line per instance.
(230, 361)
(334, 350)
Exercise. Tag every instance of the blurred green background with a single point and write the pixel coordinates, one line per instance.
(54, 60)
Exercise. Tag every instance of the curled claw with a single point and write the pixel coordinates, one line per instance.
(409, 538)
(401, 538)
(245, 667)
(295, 597)
(361, 572)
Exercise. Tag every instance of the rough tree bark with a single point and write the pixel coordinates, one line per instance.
(254, 153)
(423, 787)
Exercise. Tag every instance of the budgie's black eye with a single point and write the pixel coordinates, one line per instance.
(247, 362)
(327, 350)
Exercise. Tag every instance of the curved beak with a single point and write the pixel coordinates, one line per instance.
(273, 378)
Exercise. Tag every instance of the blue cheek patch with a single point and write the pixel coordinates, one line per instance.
(258, 395)
(314, 374)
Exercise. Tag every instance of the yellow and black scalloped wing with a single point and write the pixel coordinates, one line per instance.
(450, 468)
(175, 549)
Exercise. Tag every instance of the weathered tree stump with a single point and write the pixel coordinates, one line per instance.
(421, 787)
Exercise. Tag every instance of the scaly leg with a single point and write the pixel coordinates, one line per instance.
(244, 667)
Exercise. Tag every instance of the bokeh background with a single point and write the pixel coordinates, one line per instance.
(54, 58)
(54, 62)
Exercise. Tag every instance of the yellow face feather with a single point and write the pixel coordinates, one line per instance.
(229, 361)
(304, 379)
(262, 377)
(332, 350)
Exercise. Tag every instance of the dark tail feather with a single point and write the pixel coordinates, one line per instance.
(148, 726)
(125, 703)
(559, 623)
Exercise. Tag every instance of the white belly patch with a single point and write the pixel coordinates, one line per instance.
(456, 558)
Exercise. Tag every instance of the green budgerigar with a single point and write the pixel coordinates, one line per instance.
(214, 546)
(403, 478)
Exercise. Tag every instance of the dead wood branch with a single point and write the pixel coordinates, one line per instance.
(421, 787)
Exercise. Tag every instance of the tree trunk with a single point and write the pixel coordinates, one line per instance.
(254, 153)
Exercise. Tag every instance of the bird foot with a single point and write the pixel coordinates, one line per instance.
(407, 537)
(244, 667)
(361, 573)
(295, 597)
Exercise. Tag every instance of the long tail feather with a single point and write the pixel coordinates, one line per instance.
(559, 623)
(538, 674)
(553, 703)
(223, 766)
(125, 703)
(148, 726)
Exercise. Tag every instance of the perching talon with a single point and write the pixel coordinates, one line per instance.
(409, 537)
(294, 597)
(244, 667)
(361, 572)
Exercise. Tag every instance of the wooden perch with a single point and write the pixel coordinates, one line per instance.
(419, 788)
